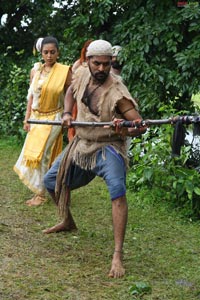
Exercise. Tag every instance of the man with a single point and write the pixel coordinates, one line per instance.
(116, 66)
(96, 151)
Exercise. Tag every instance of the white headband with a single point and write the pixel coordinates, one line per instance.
(116, 49)
(39, 44)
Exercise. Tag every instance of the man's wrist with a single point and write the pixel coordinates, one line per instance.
(66, 113)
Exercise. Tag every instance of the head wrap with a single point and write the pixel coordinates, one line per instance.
(39, 44)
(116, 49)
(99, 47)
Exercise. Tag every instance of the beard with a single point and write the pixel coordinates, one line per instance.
(99, 76)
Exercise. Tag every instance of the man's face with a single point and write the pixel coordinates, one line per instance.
(100, 67)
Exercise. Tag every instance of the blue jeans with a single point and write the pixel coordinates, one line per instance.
(111, 168)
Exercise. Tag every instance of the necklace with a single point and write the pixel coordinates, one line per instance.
(87, 98)
(92, 92)
(46, 71)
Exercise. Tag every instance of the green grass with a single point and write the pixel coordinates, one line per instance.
(162, 250)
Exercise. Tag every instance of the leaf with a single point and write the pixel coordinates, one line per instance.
(156, 41)
(148, 173)
(139, 288)
(197, 191)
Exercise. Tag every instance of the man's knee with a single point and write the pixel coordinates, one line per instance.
(49, 182)
(50, 177)
(120, 198)
(117, 189)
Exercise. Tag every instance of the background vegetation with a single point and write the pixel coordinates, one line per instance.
(160, 47)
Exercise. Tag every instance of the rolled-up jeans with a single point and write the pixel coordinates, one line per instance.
(109, 165)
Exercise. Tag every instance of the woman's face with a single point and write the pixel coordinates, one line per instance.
(49, 54)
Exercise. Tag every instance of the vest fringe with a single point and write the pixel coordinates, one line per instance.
(85, 161)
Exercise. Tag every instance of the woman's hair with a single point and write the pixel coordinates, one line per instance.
(49, 40)
(40, 42)
(84, 50)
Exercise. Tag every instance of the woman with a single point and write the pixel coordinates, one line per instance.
(82, 59)
(49, 82)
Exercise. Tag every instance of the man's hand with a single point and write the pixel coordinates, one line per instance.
(138, 129)
(129, 131)
(123, 131)
(66, 119)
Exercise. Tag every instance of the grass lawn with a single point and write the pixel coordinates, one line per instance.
(161, 251)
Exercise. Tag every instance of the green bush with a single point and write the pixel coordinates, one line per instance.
(160, 176)
(14, 86)
(13, 101)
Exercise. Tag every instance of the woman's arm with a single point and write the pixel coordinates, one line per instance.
(28, 113)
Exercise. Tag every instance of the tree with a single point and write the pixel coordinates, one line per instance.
(160, 42)
(26, 21)
(161, 54)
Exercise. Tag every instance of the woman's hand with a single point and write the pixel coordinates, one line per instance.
(26, 126)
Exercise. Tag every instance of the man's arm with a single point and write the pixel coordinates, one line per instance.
(68, 106)
(128, 111)
(68, 79)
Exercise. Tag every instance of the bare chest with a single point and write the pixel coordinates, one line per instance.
(91, 97)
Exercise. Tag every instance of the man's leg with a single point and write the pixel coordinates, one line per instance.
(67, 224)
(77, 177)
(119, 215)
(113, 170)
(50, 183)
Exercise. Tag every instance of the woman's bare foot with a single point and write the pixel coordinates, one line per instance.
(117, 270)
(36, 200)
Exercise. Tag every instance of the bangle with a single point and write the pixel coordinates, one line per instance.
(66, 113)
(120, 251)
(25, 122)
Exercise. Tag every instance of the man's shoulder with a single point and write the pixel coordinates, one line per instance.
(117, 80)
(81, 71)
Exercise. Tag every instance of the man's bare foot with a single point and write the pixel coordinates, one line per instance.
(117, 270)
(65, 225)
(57, 228)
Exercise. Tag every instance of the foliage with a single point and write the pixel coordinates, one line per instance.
(13, 99)
(160, 43)
(28, 20)
(160, 54)
(163, 176)
(140, 289)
